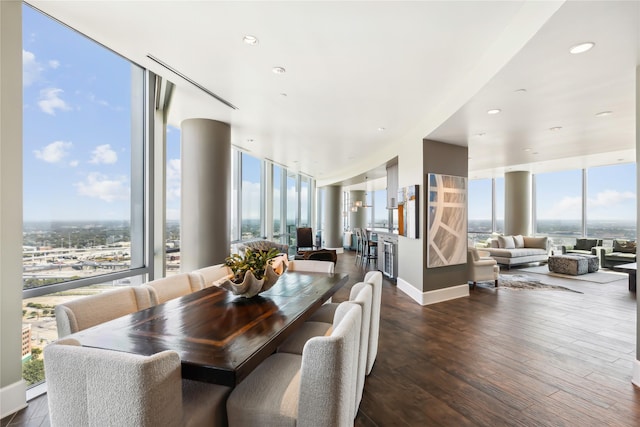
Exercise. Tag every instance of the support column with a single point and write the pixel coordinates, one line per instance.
(332, 217)
(517, 203)
(12, 386)
(357, 219)
(205, 193)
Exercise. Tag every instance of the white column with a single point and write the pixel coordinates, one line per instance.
(205, 193)
(12, 387)
(517, 203)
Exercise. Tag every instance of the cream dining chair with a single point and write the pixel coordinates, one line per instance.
(95, 387)
(170, 287)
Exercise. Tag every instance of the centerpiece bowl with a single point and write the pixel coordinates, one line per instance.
(254, 272)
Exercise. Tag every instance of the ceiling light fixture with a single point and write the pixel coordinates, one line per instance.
(250, 140)
(284, 95)
(520, 90)
(279, 70)
(555, 128)
(604, 113)
(582, 47)
(250, 40)
(381, 129)
(494, 111)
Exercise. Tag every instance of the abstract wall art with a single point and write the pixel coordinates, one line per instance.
(446, 220)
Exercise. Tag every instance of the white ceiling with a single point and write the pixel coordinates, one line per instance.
(417, 69)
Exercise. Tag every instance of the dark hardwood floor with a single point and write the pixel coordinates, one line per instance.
(501, 357)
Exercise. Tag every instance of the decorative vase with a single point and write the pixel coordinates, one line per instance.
(251, 286)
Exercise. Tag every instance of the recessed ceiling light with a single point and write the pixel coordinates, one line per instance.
(480, 134)
(250, 140)
(527, 149)
(251, 40)
(279, 70)
(520, 90)
(284, 95)
(604, 113)
(381, 129)
(535, 152)
(621, 160)
(582, 47)
(494, 111)
(555, 128)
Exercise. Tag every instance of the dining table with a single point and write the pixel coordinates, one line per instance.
(220, 337)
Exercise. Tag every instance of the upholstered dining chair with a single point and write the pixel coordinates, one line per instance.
(312, 389)
(170, 287)
(481, 266)
(210, 275)
(311, 266)
(95, 387)
(361, 294)
(83, 313)
(326, 313)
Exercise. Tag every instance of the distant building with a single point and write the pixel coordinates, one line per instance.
(26, 342)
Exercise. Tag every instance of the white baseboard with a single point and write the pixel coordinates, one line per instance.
(435, 296)
(13, 398)
(635, 379)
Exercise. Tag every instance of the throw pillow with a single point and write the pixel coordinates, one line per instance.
(535, 242)
(581, 244)
(625, 246)
(519, 241)
(506, 242)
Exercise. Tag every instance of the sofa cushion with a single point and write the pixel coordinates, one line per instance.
(506, 242)
(535, 242)
(519, 241)
(625, 246)
(515, 253)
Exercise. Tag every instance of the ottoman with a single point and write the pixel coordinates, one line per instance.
(593, 263)
(568, 264)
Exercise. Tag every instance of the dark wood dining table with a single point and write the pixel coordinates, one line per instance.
(220, 337)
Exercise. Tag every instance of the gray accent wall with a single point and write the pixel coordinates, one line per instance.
(446, 159)
(517, 203)
(205, 193)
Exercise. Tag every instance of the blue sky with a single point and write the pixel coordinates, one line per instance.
(77, 146)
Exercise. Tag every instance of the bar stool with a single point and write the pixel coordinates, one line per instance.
(370, 248)
(359, 245)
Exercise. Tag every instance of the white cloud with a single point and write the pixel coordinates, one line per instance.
(74, 163)
(173, 179)
(54, 152)
(609, 198)
(565, 208)
(54, 63)
(100, 186)
(103, 154)
(250, 200)
(50, 101)
(31, 69)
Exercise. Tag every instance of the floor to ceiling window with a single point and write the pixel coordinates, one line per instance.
(292, 206)
(277, 203)
(611, 202)
(251, 169)
(480, 208)
(173, 180)
(558, 205)
(83, 142)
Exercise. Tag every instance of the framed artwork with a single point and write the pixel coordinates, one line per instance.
(446, 220)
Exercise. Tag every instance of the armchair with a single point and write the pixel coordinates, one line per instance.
(481, 266)
(582, 246)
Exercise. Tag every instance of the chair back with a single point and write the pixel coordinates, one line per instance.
(83, 313)
(375, 279)
(210, 275)
(328, 375)
(93, 387)
(311, 266)
(170, 287)
(304, 238)
(362, 294)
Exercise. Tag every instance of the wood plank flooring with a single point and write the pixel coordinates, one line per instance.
(500, 357)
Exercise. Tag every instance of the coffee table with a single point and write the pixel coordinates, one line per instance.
(631, 270)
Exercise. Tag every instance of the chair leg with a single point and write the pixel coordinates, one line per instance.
(474, 285)
(496, 283)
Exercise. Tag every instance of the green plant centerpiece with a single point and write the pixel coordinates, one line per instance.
(254, 272)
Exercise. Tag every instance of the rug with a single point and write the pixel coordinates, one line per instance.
(596, 277)
(521, 282)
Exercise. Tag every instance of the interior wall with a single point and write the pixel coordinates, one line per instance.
(12, 387)
(445, 159)
(332, 235)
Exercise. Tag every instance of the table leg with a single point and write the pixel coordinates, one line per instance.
(632, 282)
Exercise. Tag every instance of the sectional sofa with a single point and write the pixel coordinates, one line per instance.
(516, 250)
(622, 252)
